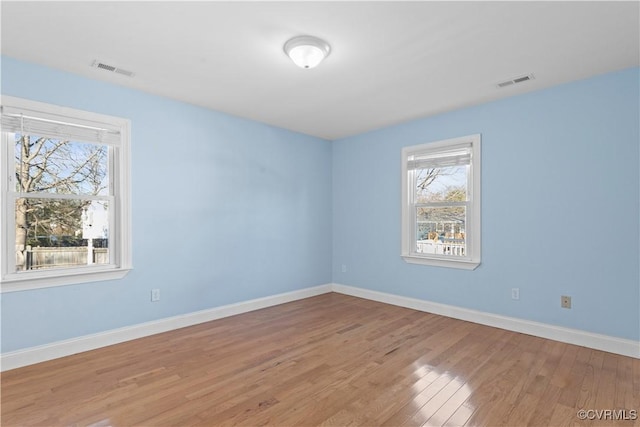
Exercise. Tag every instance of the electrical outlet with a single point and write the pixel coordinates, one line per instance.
(344, 268)
(515, 293)
(565, 301)
(155, 295)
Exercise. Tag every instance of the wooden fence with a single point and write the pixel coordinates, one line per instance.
(39, 257)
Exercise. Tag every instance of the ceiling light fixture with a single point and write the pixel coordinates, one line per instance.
(307, 51)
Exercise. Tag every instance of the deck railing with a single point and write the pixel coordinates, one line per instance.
(439, 247)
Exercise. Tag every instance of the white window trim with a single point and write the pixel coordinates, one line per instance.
(473, 214)
(121, 180)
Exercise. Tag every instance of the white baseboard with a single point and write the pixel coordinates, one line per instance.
(608, 343)
(31, 355)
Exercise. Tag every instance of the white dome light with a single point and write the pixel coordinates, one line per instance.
(307, 51)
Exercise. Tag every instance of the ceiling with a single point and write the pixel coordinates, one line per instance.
(391, 62)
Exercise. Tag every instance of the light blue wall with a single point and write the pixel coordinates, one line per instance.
(560, 207)
(224, 210)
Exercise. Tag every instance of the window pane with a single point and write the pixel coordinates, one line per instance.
(441, 230)
(441, 184)
(62, 167)
(53, 233)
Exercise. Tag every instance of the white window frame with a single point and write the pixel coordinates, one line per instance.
(119, 178)
(409, 253)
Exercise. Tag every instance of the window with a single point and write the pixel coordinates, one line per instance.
(441, 203)
(65, 209)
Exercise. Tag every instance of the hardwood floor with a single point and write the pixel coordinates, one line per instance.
(328, 360)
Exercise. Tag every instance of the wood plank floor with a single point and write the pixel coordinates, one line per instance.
(329, 360)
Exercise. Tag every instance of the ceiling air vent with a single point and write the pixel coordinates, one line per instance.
(515, 80)
(111, 68)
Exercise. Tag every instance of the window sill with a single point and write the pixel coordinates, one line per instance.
(440, 262)
(28, 281)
